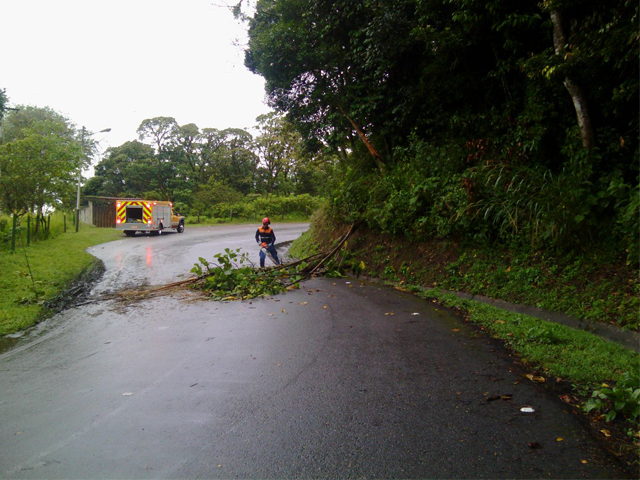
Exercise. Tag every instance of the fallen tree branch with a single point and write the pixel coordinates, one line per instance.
(314, 263)
(335, 249)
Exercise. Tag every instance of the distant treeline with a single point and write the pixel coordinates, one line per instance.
(200, 169)
(255, 208)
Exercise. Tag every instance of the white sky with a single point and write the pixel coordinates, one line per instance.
(113, 63)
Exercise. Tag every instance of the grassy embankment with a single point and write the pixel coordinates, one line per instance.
(47, 266)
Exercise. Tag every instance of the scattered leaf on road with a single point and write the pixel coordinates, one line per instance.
(455, 330)
(303, 303)
(559, 439)
(505, 397)
(391, 314)
(606, 432)
(535, 378)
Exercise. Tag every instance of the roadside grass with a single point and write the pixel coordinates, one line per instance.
(49, 267)
(303, 246)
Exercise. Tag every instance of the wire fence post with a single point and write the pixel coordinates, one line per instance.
(13, 235)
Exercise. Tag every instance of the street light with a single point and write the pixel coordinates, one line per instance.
(84, 132)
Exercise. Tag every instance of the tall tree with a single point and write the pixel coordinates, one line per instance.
(280, 149)
(26, 120)
(125, 171)
(304, 51)
(4, 100)
(37, 170)
(161, 133)
(39, 159)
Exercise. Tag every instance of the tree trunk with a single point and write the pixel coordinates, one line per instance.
(575, 90)
(377, 158)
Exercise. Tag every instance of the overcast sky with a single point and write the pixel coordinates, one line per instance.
(113, 63)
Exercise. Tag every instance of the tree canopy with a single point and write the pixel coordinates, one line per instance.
(39, 160)
(491, 119)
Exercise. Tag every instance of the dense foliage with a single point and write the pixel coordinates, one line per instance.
(509, 121)
(204, 169)
(254, 208)
(40, 156)
(231, 276)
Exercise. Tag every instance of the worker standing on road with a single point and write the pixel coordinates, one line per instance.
(266, 238)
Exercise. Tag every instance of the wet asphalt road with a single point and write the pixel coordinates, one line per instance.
(338, 379)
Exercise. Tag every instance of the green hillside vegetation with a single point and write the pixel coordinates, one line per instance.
(488, 147)
(499, 139)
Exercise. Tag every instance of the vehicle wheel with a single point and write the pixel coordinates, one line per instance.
(181, 228)
(129, 233)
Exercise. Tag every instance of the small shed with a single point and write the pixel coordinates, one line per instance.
(100, 211)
